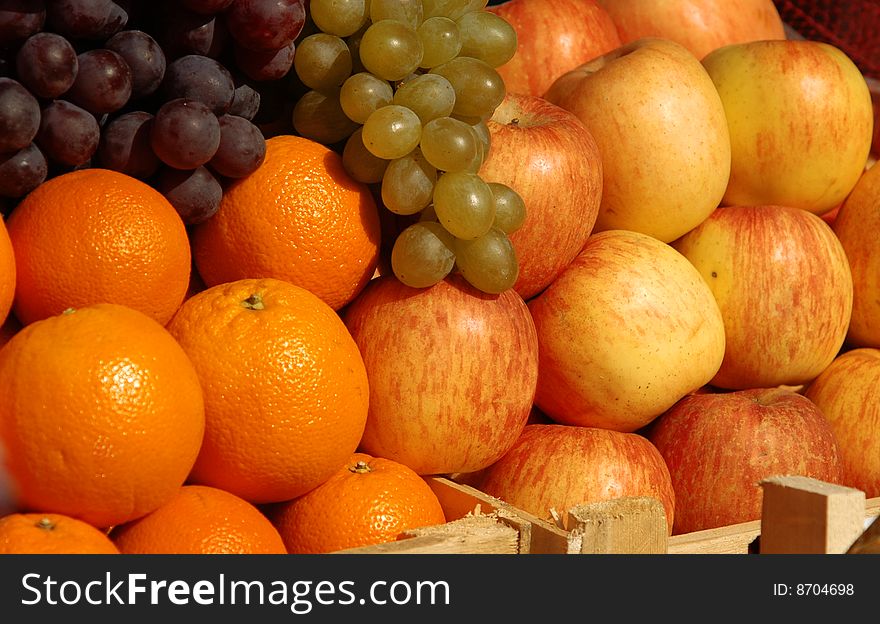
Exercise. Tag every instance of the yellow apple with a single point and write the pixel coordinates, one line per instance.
(625, 331)
(661, 132)
(783, 284)
(857, 225)
(848, 393)
(699, 25)
(800, 120)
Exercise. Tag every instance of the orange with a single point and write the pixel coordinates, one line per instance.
(300, 218)
(7, 272)
(51, 534)
(368, 501)
(98, 236)
(201, 520)
(284, 383)
(102, 414)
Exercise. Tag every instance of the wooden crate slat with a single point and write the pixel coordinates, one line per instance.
(801, 515)
(630, 525)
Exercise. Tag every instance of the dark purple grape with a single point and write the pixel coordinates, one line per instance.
(265, 65)
(68, 134)
(125, 145)
(185, 133)
(19, 116)
(47, 64)
(206, 7)
(242, 148)
(103, 83)
(144, 57)
(245, 101)
(194, 193)
(22, 172)
(117, 22)
(186, 32)
(19, 19)
(199, 78)
(83, 19)
(265, 24)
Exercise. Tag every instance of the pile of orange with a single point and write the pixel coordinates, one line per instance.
(162, 383)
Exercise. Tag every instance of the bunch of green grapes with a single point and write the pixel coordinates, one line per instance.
(409, 86)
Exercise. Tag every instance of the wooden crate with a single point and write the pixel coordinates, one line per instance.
(800, 515)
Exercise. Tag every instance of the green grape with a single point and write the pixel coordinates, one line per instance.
(391, 49)
(392, 131)
(449, 144)
(360, 163)
(489, 262)
(487, 37)
(322, 61)
(362, 94)
(422, 254)
(408, 184)
(354, 45)
(452, 9)
(510, 209)
(441, 41)
(479, 89)
(464, 204)
(339, 17)
(406, 11)
(481, 129)
(318, 116)
(429, 96)
(480, 154)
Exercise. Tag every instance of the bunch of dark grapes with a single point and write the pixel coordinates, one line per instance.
(408, 85)
(167, 92)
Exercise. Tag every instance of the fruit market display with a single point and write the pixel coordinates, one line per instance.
(268, 266)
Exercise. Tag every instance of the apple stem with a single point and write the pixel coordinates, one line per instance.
(513, 122)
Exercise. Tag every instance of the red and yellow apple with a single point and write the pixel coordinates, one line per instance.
(848, 393)
(719, 447)
(559, 467)
(800, 120)
(857, 226)
(662, 136)
(625, 331)
(547, 155)
(553, 36)
(699, 25)
(452, 372)
(783, 284)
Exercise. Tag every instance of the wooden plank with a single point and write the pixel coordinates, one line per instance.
(622, 526)
(801, 515)
(478, 535)
(536, 536)
(734, 539)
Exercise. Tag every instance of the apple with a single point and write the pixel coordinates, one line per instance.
(783, 284)
(547, 155)
(557, 467)
(848, 393)
(452, 372)
(553, 36)
(800, 120)
(699, 25)
(720, 446)
(625, 331)
(856, 226)
(662, 136)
